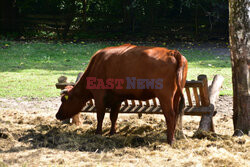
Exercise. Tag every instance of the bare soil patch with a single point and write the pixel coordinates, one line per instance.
(30, 135)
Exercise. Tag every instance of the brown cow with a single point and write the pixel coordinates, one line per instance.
(124, 61)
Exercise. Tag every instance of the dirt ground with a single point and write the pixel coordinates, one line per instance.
(31, 136)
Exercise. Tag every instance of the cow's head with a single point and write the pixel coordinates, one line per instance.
(71, 104)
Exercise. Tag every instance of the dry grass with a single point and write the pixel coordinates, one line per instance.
(32, 137)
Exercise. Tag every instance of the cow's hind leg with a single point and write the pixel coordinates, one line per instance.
(113, 117)
(179, 104)
(170, 116)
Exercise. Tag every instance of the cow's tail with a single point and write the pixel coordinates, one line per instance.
(181, 80)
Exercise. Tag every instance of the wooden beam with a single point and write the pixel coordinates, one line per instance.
(197, 111)
(189, 97)
(154, 102)
(206, 123)
(193, 83)
(133, 102)
(147, 103)
(126, 102)
(196, 97)
(204, 90)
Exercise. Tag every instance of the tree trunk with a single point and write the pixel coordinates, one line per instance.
(128, 15)
(69, 18)
(239, 35)
(84, 17)
(8, 14)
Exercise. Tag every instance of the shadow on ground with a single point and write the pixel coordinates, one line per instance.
(84, 139)
(72, 138)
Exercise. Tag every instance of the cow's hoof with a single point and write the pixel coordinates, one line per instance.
(171, 141)
(238, 133)
(179, 134)
(66, 121)
(112, 132)
(98, 132)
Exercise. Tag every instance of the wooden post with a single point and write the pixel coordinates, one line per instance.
(204, 90)
(206, 123)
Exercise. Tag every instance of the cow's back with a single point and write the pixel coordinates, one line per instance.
(135, 61)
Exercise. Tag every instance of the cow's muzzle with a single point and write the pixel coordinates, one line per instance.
(59, 116)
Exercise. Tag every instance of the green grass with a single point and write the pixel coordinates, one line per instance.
(31, 69)
(210, 64)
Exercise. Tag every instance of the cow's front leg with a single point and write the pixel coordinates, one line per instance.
(100, 110)
(113, 117)
(76, 119)
(100, 117)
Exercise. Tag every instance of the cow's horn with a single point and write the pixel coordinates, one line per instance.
(64, 91)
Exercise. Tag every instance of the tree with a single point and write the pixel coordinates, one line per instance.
(8, 15)
(239, 35)
(84, 13)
